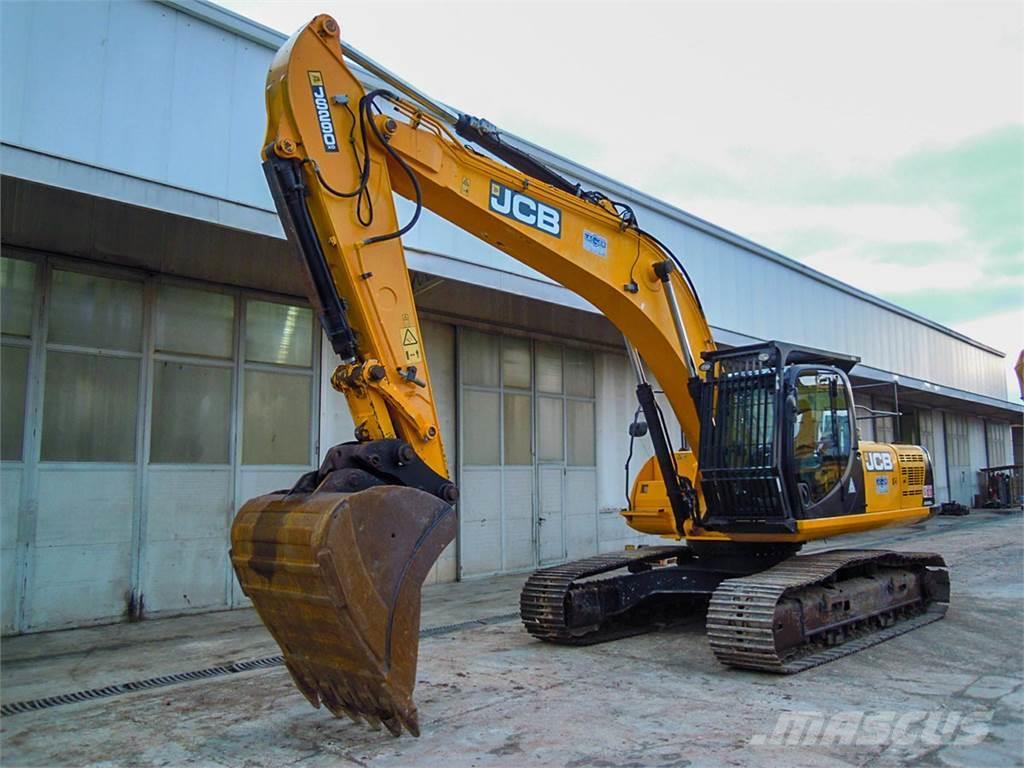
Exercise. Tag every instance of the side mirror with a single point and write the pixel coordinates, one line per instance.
(638, 428)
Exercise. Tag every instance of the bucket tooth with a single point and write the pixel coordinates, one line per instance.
(394, 725)
(306, 685)
(336, 578)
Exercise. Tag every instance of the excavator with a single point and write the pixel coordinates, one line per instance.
(334, 565)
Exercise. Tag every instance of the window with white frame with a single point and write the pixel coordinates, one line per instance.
(998, 435)
(278, 384)
(512, 387)
(93, 363)
(193, 376)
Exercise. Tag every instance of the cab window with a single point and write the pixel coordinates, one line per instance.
(821, 434)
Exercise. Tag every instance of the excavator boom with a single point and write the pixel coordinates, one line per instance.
(334, 564)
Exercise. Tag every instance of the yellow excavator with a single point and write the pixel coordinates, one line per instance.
(334, 565)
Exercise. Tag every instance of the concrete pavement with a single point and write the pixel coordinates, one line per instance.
(951, 693)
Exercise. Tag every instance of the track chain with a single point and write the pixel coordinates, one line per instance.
(542, 602)
(741, 612)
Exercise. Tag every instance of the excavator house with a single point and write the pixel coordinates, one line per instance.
(334, 564)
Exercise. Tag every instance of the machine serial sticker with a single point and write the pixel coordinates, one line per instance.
(878, 461)
(594, 243)
(882, 484)
(520, 207)
(323, 111)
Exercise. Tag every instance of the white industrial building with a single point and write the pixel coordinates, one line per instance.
(161, 366)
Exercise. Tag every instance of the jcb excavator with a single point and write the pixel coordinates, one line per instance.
(334, 565)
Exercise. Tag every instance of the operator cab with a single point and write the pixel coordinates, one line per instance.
(778, 438)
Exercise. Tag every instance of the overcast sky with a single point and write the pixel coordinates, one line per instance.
(880, 143)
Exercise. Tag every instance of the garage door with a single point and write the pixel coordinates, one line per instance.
(958, 455)
(139, 412)
(527, 453)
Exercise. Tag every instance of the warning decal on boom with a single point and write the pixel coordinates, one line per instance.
(411, 345)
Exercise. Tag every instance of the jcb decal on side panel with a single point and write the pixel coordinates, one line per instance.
(878, 461)
(323, 111)
(520, 207)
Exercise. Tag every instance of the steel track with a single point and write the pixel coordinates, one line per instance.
(741, 614)
(542, 603)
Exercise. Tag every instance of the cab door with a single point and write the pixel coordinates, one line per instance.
(824, 477)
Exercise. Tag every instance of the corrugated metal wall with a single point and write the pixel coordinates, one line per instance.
(162, 95)
(752, 295)
(137, 88)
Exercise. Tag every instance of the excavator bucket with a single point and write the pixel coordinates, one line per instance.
(336, 578)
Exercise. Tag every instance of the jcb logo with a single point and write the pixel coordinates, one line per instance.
(523, 208)
(323, 111)
(878, 461)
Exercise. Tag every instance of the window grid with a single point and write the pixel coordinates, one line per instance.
(998, 434)
(107, 421)
(18, 281)
(957, 441)
(543, 386)
(104, 342)
(147, 358)
(262, 392)
(494, 370)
